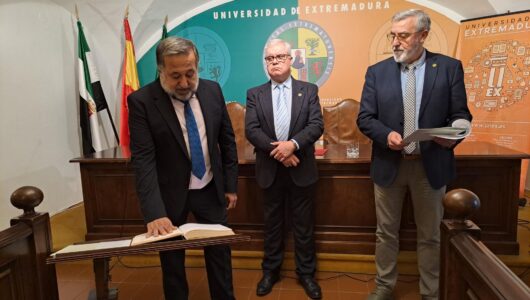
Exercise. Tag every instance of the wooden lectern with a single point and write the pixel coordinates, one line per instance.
(102, 257)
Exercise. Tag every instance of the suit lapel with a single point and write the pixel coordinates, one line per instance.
(166, 109)
(296, 103)
(430, 77)
(265, 98)
(395, 85)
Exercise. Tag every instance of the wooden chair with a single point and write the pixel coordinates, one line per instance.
(236, 111)
(340, 125)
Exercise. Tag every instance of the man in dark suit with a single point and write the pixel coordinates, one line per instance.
(414, 89)
(185, 160)
(283, 120)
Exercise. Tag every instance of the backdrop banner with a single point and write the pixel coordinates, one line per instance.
(495, 52)
(333, 42)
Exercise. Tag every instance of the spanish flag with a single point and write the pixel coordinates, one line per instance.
(129, 81)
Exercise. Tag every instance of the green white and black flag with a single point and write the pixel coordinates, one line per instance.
(91, 96)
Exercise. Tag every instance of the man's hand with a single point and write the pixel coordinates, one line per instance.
(395, 141)
(283, 150)
(291, 161)
(231, 199)
(444, 142)
(161, 226)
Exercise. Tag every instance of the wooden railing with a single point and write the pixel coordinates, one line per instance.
(469, 270)
(24, 248)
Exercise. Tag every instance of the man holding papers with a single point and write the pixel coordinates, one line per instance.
(413, 89)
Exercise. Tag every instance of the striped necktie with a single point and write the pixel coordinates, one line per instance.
(409, 106)
(281, 117)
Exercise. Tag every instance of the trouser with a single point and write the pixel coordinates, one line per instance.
(428, 213)
(206, 209)
(284, 195)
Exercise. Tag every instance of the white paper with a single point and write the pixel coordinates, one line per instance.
(195, 226)
(426, 134)
(94, 246)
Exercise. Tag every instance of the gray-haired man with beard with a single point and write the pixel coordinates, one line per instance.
(414, 89)
(185, 160)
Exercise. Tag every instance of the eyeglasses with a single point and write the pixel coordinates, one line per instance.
(279, 58)
(400, 36)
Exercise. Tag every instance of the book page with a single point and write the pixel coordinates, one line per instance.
(196, 226)
(94, 246)
(142, 239)
(196, 231)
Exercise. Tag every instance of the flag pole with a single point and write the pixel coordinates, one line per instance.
(113, 126)
(164, 35)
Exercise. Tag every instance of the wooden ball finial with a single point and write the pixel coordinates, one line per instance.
(461, 204)
(27, 198)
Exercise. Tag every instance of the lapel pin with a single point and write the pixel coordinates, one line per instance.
(299, 94)
(434, 65)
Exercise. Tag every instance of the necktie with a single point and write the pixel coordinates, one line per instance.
(281, 117)
(198, 167)
(409, 106)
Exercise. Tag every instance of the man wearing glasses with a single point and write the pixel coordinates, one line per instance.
(283, 121)
(414, 89)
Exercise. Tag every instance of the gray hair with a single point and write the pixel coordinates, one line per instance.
(174, 46)
(423, 21)
(278, 41)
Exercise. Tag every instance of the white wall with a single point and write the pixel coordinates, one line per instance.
(39, 124)
(38, 121)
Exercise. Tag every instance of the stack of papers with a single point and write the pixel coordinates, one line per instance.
(426, 134)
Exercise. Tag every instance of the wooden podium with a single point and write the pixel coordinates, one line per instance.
(102, 257)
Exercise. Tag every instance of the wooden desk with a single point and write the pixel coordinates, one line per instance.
(344, 206)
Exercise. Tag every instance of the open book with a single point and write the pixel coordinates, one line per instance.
(188, 231)
(425, 134)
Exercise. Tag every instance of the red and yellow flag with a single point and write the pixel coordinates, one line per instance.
(130, 83)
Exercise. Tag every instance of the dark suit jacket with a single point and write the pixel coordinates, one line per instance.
(443, 101)
(306, 127)
(159, 154)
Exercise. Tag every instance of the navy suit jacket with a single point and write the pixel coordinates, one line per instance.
(443, 101)
(159, 154)
(306, 127)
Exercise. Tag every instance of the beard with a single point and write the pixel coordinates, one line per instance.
(406, 55)
(179, 94)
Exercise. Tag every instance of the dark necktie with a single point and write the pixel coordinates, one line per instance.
(198, 167)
